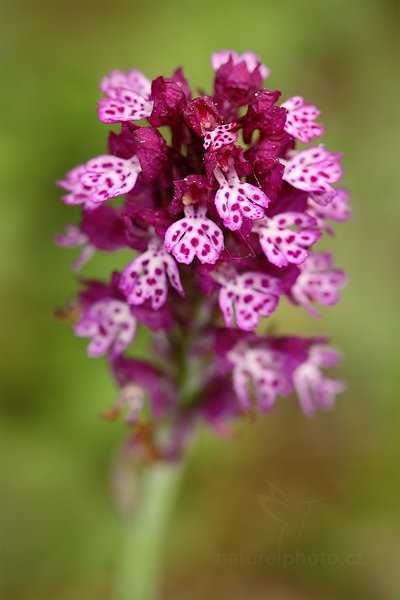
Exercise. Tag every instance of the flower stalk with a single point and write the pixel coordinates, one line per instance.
(143, 536)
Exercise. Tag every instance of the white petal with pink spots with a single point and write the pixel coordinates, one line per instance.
(314, 390)
(282, 245)
(245, 297)
(318, 281)
(100, 179)
(128, 97)
(110, 325)
(236, 200)
(300, 119)
(314, 170)
(262, 370)
(194, 235)
(145, 278)
(220, 136)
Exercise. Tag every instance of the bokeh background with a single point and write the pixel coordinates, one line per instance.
(60, 532)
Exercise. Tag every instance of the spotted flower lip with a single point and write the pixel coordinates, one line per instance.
(128, 97)
(145, 278)
(194, 235)
(337, 210)
(300, 119)
(282, 245)
(245, 297)
(318, 281)
(314, 170)
(265, 370)
(110, 325)
(236, 200)
(216, 210)
(314, 390)
(222, 135)
(100, 179)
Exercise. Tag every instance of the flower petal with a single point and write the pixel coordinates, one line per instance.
(194, 235)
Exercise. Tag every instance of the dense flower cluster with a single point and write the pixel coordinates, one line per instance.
(221, 212)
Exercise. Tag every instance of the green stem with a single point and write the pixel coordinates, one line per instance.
(142, 544)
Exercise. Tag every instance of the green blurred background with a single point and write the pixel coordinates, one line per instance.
(60, 531)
